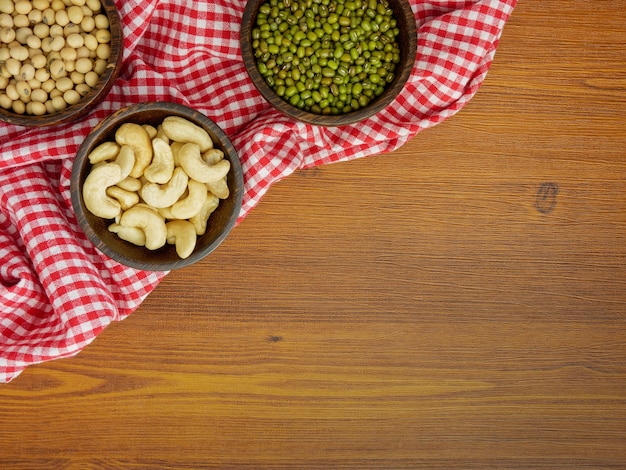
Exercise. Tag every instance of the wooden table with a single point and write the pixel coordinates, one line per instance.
(460, 304)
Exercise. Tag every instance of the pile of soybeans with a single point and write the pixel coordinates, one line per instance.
(52, 53)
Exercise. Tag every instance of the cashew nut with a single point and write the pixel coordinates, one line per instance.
(165, 195)
(147, 206)
(130, 184)
(161, 135)
(176, 146)
(138, 139)
(183, 234)
(200, 220)
(181, 130)
(162, 166)
(191, 161)
(150, 130)
(166, 213)
(126, 160)
(192, 204)
(103, 152)
(94, 190)
(127, 199)
(150, 222)
(219, 188)
(133, 235)
(212, 156)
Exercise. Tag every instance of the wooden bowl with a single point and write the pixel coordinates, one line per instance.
(220, 223)
(408, 46)
(97, 93)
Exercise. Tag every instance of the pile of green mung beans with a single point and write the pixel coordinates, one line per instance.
(326, 56)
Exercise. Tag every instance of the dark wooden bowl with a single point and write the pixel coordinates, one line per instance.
(408, 47)
(97, 93)
(221, 221)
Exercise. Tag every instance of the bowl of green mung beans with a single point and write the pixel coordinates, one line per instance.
(329, 62)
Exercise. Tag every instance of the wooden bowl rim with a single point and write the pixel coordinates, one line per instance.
(97, 93)
(107, 126)
(402, 11)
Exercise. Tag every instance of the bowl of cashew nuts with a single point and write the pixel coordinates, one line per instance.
(58, 59)
(157, 186)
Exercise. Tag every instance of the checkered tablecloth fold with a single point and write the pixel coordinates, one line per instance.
(57, 292)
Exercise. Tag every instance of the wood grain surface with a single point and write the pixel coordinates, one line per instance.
(459, 304)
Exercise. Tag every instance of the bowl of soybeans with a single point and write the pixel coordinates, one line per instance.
(58, 59)
(329, 62)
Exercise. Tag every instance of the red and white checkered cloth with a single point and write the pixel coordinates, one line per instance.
(57, 293)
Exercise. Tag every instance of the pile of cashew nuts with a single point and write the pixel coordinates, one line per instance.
(159, 184)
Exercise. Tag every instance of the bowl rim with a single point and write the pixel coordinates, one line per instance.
(245, 39)
(95, 95)
(112, 122)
